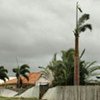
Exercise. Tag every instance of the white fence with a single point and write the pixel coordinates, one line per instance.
(73, 93)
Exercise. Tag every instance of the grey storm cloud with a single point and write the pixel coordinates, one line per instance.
(33, 30)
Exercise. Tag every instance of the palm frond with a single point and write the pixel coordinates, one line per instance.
(2, 69)
(23, 71)
(90, 64)
(94, 68)
(24, 66)
(80, 9)
(66, 55)
(83, 18)
(4, 76)
(84, 27)
(82, 53)
(26, 76)
(3, 79)
(94, 74)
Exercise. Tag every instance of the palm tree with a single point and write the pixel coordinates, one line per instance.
(63, 70)
(81, 26)
(3, 73)
(21, 72)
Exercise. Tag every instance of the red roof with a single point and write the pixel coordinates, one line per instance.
(33, 77)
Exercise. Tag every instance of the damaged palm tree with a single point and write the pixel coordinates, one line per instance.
(81, 26)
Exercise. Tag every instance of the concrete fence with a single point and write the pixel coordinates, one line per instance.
(73, 93)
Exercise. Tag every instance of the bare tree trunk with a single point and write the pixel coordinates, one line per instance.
(76, 58)
(18, 82)
(76, 62)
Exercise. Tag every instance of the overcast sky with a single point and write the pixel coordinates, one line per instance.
(33, 30)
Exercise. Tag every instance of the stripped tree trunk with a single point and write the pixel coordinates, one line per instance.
(76, 62)
(76, 58)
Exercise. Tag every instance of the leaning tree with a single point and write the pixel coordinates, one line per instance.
(3, 73)
(21, 71)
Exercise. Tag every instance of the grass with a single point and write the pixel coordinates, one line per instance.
(16, 98)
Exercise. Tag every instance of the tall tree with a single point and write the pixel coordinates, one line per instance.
(21, 71)
(3, 73)
(81, 26)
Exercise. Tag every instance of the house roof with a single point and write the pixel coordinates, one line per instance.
(33, 77)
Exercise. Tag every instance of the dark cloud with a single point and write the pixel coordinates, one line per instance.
(33, 30)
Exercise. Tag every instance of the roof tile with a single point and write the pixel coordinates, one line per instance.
(33, 77)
